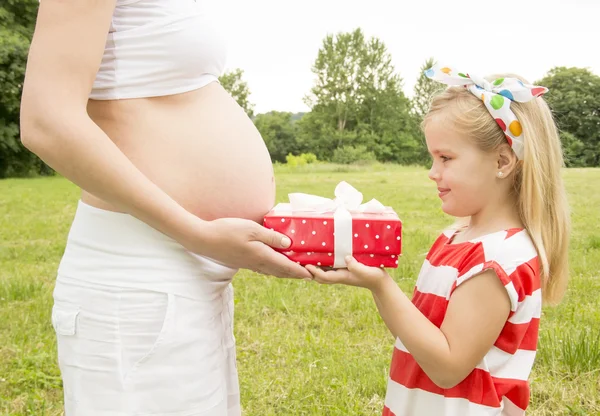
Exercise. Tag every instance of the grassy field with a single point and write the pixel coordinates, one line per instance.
(303, 349)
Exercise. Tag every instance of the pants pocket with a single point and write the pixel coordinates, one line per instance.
(65, 320)
(144, 326)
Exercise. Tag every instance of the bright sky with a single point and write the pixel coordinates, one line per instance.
(276, 42)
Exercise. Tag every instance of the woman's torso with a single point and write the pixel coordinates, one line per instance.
(198, 145)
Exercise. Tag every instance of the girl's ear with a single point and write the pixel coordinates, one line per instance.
(507, 160)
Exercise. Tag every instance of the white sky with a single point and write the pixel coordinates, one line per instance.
(276, 42)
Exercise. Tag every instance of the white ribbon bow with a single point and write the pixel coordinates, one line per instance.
(346, 197)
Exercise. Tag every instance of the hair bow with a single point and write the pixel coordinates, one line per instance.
(497, 96)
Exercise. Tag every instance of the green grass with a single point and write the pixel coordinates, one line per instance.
(303, 349)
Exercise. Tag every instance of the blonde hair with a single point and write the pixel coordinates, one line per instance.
(542, 207)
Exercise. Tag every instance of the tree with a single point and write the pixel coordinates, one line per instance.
(279, 133)
(317, 135)
(357, 99)
(13, 55)
(19, 16)
(339, 67)
(574, 96)
(238, 88)
(17, 20)
(573, 149)
(424, 90)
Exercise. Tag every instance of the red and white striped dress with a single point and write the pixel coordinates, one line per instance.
(498, 385)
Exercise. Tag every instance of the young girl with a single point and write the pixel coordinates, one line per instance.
(466, 343)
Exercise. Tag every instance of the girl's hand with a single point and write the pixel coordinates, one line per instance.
(357, 274)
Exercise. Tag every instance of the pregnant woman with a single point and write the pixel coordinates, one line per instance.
(122, 98)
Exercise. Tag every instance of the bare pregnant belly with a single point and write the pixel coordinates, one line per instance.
(199, 147)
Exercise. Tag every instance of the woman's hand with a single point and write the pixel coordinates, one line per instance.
(357, 274)
(241, 243)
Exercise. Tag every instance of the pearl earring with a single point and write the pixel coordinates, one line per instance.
(500, 174)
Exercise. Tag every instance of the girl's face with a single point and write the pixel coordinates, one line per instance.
(465, 175)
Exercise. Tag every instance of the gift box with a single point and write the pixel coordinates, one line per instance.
(324, 231)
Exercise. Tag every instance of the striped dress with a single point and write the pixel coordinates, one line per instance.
(498, 385)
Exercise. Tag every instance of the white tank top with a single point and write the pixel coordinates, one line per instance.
(159, 47)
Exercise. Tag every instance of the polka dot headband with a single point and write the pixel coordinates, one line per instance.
(496, 95)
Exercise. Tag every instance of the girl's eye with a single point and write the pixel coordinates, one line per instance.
(444, 158)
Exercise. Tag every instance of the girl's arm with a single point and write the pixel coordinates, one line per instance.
(477, 312)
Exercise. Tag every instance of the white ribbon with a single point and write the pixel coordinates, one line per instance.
(347, 200)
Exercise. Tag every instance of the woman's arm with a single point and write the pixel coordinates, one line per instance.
(65, 54)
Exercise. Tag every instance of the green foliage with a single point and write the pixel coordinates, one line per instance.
(15, 160)
(19, 16)
(279, 133)
(347, 155)
(573, 149)
(424, 90)
(300, 160)
(17, 21)
(574, 97)
(357, 100)
(238, 88)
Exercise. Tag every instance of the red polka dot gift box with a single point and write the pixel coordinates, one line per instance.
(324, 231)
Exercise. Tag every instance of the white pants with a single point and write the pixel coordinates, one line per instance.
(125, 349)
